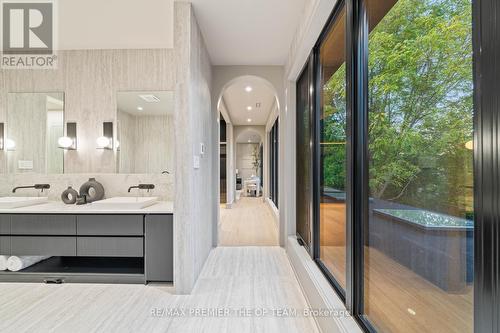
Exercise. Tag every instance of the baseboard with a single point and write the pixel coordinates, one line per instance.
(319, 293)
(274, 211)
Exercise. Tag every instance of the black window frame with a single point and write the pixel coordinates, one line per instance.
(486, 76)
(274, 163)
(316, 130)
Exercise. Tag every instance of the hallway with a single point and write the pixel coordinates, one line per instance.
(240, 280)
(249, 222)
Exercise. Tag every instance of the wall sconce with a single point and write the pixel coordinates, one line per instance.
(2, 131)
(69, 141)
(106, 140)
(5, 144)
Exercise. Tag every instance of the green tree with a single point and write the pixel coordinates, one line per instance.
(420, 107)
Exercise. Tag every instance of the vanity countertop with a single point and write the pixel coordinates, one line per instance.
(161, 207)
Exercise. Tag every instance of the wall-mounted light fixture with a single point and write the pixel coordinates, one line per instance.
(106, 140)
(5, 144)
(2, 131)
(69, 141)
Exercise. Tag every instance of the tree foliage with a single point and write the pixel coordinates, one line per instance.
(420, 107)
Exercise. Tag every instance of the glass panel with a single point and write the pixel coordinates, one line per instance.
(304, 158)
(333, 151)
(419, 246)
(271, 164)
(223, 160)
(275, 157)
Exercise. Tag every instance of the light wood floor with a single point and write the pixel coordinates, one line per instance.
(232, 278)
(397, 299)
(248, 223)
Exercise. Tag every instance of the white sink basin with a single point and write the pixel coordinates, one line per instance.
(124, 203)
(17, 202)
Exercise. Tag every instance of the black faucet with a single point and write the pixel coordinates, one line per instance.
(36, 187)
(142, 187)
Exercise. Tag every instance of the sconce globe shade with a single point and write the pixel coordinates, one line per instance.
(10, 144)
(65, 142)
(103, 142)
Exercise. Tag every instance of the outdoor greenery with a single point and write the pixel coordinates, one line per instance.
(420, 108)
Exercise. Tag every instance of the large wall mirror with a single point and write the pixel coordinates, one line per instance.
(145, 132)
(35, 122)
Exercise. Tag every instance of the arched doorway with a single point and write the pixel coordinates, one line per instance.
(246, 105)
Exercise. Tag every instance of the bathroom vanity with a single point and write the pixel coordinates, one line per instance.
(89, 245)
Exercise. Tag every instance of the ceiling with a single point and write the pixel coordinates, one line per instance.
(115, 24)
(237, 100)
(249, 136)
(130, 101)
(251, 32)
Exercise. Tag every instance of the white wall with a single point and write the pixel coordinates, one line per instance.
(195, 201)
(245, 159)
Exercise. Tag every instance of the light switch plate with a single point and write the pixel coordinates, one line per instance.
(196, 161)
(202, 149)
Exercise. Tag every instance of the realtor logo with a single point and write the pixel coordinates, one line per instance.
(28, 34)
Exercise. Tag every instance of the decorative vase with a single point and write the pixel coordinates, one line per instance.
(69, 196)
(92, 190)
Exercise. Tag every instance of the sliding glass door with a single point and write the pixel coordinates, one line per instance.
(304, 155)
(420, 223)
(223, 160)
(385, 163)
(332, 153)
(273, 162)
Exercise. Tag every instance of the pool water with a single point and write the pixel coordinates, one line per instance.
(428, 219)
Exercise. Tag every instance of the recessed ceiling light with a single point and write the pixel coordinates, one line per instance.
(140, 108)
(257, 105)
(249, 120)
(249, 108)
(248, 88)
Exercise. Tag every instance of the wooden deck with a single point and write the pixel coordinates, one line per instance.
(396, 298)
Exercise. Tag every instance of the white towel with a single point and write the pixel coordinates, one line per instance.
(15, 263)
(3, 262)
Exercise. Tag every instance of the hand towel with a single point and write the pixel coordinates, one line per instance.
(15, 263)
(3, 262)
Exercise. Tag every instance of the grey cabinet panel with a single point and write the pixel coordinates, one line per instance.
(159, 240)
(5, 224)
(110, 225)
(5, 245)
(43, 246)
(43, 224)
(110, 246)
